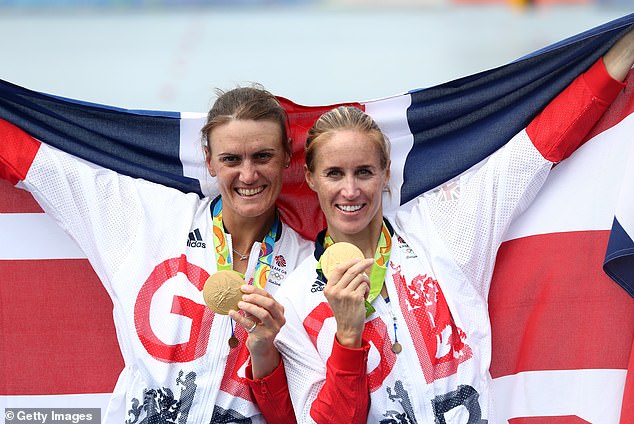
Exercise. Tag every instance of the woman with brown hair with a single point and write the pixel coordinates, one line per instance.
(154, 247)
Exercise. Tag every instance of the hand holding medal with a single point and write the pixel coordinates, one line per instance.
(262, 317)
(226, 288)
(337, 254)
(342, 252)
(346, 290)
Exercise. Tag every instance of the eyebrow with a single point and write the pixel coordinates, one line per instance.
(266, 149)
(356, 167)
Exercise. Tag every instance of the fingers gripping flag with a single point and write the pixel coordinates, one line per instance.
(562, 329)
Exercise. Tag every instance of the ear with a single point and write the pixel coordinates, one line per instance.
(309, 178)
(287, 162)
(386, 183)
(210, 167)
(387, 172)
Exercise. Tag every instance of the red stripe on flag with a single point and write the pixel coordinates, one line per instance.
(553, 308)
(58, 335)
(14, 200)
(627, 410)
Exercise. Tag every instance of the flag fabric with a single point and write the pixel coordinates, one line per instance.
(561, 305)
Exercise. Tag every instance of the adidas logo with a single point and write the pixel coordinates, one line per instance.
(318, 286)
(195, 239)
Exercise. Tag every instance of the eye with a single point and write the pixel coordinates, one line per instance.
(333, 173)
(365, 172)
(263, 156)
(229, 159)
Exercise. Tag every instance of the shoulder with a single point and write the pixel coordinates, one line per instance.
(292, 245)
(300, 280)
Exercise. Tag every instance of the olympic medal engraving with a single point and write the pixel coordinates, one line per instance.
(337, 254)
(222, 291)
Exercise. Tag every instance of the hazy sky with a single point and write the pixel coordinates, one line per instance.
(172, 59)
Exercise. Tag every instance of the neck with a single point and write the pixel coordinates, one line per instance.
(247, 230)
(366, 240)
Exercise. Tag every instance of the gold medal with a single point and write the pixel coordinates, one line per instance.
(222, 292)
(337, 254)
(397, 348)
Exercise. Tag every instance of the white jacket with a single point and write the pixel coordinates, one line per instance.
(152, 248)
(444, 247)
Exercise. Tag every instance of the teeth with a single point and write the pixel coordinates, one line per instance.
(349, 208)
(249, 191)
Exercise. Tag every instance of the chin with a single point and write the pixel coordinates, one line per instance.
(256, 210)
(253, 213)
(351, 229)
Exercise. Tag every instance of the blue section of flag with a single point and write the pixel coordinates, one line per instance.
(141, 144)
(457, 124)
(619, 259)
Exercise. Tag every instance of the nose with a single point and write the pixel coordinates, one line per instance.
(350, 188)
(248, 173)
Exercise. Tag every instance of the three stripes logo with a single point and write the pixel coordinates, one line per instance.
(195, 239)
(318, 286)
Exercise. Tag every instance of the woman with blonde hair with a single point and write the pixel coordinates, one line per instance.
(403, 336)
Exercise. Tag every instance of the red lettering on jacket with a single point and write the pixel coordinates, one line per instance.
(440, 344)
(201, 317)
(375, 332)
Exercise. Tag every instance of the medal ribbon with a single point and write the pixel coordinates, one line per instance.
(221, 247)
(379, 267)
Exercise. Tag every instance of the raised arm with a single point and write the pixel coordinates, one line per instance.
(620, 58)
(520, 167)
(98, 208)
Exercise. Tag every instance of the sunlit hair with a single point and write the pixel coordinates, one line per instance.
(246, 103)
(345, 118)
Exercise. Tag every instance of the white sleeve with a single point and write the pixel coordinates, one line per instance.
(471, 213)
(100, 209)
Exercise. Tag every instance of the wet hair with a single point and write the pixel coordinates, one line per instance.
(246, 103)
(345, 118)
